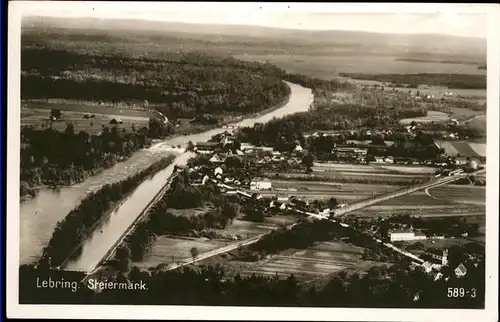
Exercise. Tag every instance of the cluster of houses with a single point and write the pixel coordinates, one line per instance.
(436, 262)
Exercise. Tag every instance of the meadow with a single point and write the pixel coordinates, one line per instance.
(329, 66)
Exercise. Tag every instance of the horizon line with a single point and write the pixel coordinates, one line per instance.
(247, 25)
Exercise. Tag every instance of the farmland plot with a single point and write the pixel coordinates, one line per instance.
(320, 260)
(450, 200)
(464, 148)
(167, 250)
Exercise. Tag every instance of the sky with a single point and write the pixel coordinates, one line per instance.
(454, 19)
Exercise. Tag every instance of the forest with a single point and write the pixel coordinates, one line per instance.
(70, 232)
(64, 158)
(451, 81)
(181, 85)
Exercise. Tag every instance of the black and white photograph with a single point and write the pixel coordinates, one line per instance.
(244, 158)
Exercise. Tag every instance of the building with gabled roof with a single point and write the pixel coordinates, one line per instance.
(461, 270)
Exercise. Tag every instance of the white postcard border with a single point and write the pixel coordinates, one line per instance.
(14, 309)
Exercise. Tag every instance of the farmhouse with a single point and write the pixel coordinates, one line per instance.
(115, 121)
(215, 159)
(461, 160)
(206, 146)
(427, 267)
(406, 235)
(460, 270)
(260, 184)
(348, 151)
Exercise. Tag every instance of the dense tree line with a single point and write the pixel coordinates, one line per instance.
(457, 81)
(184, 85)
(64, 158)
(307, 233)
(445, 226)
(70, 232)
(381, 287)
(313, 83)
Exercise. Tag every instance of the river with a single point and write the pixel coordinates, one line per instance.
(38, 216)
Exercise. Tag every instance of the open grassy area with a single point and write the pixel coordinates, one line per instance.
(343, 192)
(448, 200)
(74, 106)
(319, 260)
(464, 148)
(329, 66)
(39, 119)
(167, 249)
(432, 116)
(315, 262)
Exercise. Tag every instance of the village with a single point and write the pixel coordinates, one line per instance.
(243, 171)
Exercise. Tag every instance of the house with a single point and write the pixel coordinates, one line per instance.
(260, 184)
(281, 198)
(115, 121)
(460, 270)
(245, 147)
(205, 179)
(348, 152)
(438, 276)
(216, 159)
(461, 160)
(277, 205)
(389, 160)
(406, 235)
(298, 202)
(206, 146)
(427, 267)
(218, 171)
(269, 149)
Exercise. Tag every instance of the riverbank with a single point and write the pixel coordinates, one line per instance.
(74, 229)
(39, 215)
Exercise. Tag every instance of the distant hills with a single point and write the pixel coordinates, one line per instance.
(298, 41)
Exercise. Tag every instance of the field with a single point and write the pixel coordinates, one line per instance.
(464, 148)
(432, 116)
(39, 119)
(166, 247)
(478, 122)
(343, 192)
(448, 200)
(73, 106)
(317, 261)
(167, 250)
(329, 66)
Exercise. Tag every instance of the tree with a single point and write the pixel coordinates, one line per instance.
(332, 202)
(230, 211)
(190, 146)
(123, 258)
(194, 253)
(308, 161)
(70, 129)
(55, 113)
